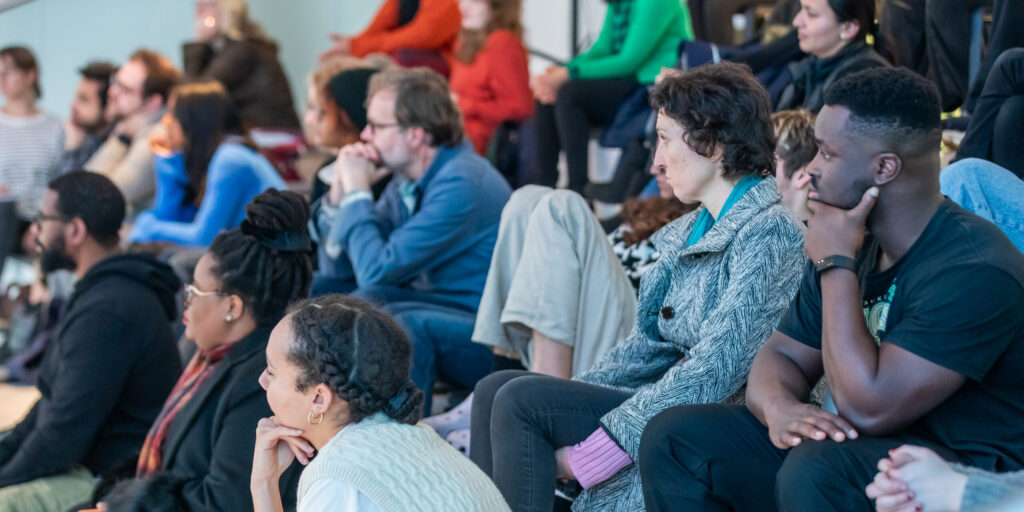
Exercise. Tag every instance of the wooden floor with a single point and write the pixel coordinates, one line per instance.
(15, 402)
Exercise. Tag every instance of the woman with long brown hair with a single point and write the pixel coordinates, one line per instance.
(206, 171)
(490, 78)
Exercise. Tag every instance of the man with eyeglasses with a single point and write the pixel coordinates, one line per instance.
(112, 362)
(423, 249)
(137, 99)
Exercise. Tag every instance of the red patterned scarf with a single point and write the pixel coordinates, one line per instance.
(202, 365)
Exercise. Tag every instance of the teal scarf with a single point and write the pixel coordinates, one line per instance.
(705, 221)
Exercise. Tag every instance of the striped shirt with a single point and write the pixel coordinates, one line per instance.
(30, 149)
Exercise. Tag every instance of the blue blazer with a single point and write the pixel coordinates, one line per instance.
(443, 247)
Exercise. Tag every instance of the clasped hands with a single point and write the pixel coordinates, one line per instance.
(356, 168)
(545, 86)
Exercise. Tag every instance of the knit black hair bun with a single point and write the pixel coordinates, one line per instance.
(267, 262)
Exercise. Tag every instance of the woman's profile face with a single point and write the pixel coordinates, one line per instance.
(13, 81)
(818, 29)
(290, 406)
(205, 306)
(474, 14)
(171, 125)
(686, 172)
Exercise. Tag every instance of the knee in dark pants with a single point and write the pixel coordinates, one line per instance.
(513, 401)
(817, 472)
(488, 387)
(656, 444)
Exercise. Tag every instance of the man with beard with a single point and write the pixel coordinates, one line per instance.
(87, 127)
(916, 326)
(138, 100)
(113, 359)
(423, 248)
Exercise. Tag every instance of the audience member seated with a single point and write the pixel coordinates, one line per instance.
(560, 293)
(917, 329)
(336, 115)
(234, 50)
(206, 171)
(917, 478)
(88, 127)
(995, 131)
(423, 248)
(795, 147)
(490, 76)
(337, 380)
(832, 33)
(112, 363)
(199, 451)
(702, 312)
(639, 37)
(138, 98)
(413, 32)
(988, 191)
(31, 140)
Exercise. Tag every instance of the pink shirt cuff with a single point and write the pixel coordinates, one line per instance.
(595, 460)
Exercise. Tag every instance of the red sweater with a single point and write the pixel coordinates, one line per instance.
(494, 88)
(435, 27)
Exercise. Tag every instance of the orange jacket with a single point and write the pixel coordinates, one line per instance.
(435, 27)
(494, 88)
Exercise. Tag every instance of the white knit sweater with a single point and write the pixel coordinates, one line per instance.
(403, 468)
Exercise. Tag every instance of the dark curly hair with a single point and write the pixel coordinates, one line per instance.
(890, 104)
(266, 278)
(359, 352)
(721, 104)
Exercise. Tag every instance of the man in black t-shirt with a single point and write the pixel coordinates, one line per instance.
(918, 328)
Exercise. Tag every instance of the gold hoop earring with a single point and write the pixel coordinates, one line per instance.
(309, 418)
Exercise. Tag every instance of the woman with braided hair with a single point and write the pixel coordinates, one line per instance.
(337, 379)
(199, 451)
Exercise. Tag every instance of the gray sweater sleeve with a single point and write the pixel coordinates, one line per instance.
(986, 489)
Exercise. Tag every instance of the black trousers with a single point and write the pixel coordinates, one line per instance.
(996, 129)
(948, 33)
(520, 419)
(719, 458)
(581, 105)
(901, 38)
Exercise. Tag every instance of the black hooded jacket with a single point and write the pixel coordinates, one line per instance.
(104, 377)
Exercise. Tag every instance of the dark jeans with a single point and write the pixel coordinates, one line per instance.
(996, 129)
(442, 348)
(948, 32)
(580, 106)
(719, 458)
(520, 419)
(439, 331)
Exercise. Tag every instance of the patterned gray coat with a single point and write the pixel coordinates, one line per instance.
(728, 292)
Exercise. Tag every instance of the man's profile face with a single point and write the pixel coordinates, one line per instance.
(48, 233)
(841, 170)
(384, 133)
(125, 94)
(86, 107)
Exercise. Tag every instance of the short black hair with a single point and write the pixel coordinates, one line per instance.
(893, 104)
(266, 278)
(99, 71)
(94, 199)
(721, 104)
(359, 352)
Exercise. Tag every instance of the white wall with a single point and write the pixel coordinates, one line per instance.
(65, 34)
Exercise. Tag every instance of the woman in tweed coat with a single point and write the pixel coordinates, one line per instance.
(701, 316)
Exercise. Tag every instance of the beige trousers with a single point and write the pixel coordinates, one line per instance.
(554, 271)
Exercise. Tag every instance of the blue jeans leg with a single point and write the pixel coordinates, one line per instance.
(988, 191)
(441, 346)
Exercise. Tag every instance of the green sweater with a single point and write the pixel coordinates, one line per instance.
(638, 38)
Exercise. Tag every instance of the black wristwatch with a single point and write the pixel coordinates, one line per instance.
(835, 261)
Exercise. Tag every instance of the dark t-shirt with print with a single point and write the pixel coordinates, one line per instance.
(956, 298)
